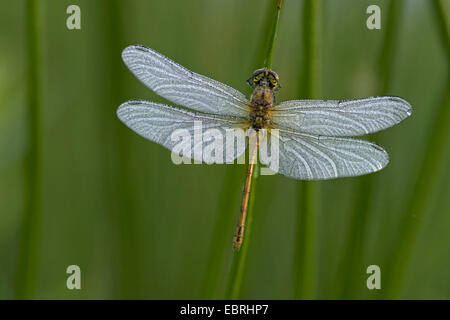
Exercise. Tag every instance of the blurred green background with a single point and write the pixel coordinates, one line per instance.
(141, 227)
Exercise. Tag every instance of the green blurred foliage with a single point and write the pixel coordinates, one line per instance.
(140, 226)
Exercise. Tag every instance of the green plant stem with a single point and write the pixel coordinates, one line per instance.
(29, 242)
(238, 265)
(239, 261)
(429, 174)
(308, 205)
(389, 44)
(417, 213)
(442, 25)
(352, 272)
(221, 240)
(312, 36)
(118, 174)
(306, 244)
(273, 37)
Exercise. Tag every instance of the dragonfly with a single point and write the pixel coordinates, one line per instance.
(314, 135)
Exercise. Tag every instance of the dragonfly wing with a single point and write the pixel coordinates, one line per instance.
(341, 117)
(182, 86)
(308, 157)
(176, 130)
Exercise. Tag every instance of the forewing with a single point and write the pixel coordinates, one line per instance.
(308, 157)
(182, 86)
(166, 125)
(341, 117)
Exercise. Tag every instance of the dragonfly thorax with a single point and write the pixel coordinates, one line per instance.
(264, 82)
(260, 106)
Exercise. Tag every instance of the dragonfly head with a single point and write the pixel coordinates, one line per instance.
(266, 78)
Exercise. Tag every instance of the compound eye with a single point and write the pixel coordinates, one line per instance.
(257, 79)
(273, 83)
